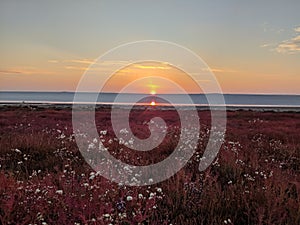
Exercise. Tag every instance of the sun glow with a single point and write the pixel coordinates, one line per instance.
(153, 103)
(152, 92)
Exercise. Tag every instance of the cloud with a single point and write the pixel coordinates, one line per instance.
(76, 61)
(221, 70)
(266, 45)
(139, 66)
(80, 61)
(10, 72)
(83, 64)
(26, 71)
(75, 68)
(291, 46)
(87, 61)
(104, 66)
(297, 29)
(115, 62)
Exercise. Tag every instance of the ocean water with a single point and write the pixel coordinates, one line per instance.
(110, 98)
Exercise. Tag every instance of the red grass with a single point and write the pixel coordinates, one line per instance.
(45, 180)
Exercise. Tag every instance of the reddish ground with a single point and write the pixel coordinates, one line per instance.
(44, 179)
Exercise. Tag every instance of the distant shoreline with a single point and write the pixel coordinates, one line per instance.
(63, 105)
(199, 100)
(132, 93)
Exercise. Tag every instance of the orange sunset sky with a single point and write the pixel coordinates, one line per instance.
(251, 47)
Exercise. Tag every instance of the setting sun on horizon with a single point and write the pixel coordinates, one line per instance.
(152, 92)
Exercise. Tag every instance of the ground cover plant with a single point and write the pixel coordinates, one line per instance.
(45, 180)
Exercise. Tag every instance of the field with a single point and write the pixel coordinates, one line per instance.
(45, 180)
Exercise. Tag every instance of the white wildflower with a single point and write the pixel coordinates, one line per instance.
(124, 131)
(60, 192)
(18, 151)
(103, 132)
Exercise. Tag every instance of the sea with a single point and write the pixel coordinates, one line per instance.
(230, 100)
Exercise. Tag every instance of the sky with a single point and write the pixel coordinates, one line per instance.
(250, 46)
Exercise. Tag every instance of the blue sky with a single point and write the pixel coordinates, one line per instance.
(251, 46)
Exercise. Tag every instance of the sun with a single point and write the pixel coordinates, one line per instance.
(153, 92)
(153, 103)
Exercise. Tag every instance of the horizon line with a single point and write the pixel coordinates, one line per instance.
(90, 92)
